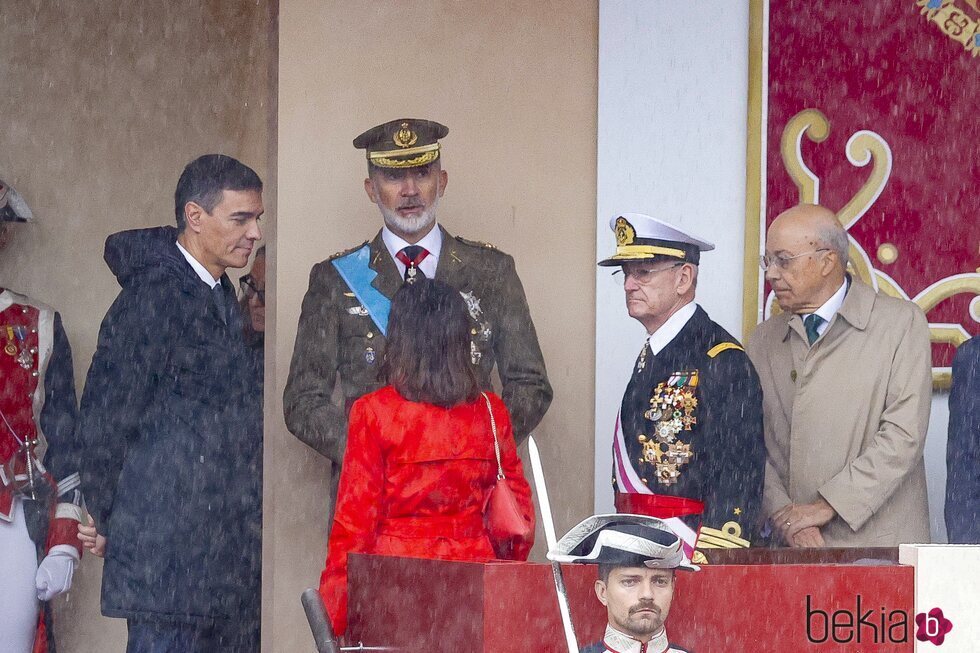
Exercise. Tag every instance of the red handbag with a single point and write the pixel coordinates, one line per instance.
(501, 513)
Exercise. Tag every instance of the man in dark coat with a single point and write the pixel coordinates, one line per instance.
(963, 447)
(688, 445)
(171, 419)
(342, 327)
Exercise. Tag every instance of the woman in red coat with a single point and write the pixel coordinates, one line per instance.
(420, 456)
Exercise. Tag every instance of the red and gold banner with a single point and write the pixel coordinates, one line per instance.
(870, 108)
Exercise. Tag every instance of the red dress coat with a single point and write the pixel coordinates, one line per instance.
(413, 483)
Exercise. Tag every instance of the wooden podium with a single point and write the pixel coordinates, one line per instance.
(774, 600)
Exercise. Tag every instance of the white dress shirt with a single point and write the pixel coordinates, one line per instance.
(200, 269)
(662, 336)
(829, 308)
(431, 242)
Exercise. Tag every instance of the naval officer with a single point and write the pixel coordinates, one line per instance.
(688, 444)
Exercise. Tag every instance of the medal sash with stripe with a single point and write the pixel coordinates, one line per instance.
(637, 498)
(355, 270)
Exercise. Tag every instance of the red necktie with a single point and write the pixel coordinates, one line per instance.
(411, 256)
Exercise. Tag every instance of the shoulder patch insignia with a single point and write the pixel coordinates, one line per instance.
(476, 243)
(347, 251)
(720, 347)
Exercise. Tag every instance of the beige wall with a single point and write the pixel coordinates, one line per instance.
(516, 84)
(102, 104)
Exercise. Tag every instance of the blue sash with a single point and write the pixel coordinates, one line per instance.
(354, 270)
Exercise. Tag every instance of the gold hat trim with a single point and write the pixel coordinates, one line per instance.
(421, 160)
(633, 251)
(421, 149)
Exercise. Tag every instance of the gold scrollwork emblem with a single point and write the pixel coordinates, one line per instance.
(405, 137)
(625, 233)
(863, 148)
(957, 19)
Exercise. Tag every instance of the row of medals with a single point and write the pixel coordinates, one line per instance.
(16, 346)
(672, 411)
(482, 332)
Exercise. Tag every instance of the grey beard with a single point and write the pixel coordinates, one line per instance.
(410, 226)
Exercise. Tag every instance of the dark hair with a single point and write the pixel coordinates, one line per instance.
(204, 179)
(427, 357)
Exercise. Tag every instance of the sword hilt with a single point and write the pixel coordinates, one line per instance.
(316, 614)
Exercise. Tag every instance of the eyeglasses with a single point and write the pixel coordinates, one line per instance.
(642, 275)
(249, 288)
(782, 261)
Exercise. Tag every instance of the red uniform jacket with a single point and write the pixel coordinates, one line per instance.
(413, 483)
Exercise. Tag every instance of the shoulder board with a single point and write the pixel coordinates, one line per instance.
(347, 251)
(475, 243)
(720, 347)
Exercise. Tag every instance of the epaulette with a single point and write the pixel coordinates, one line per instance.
(722, 346)
(476, 243)
(347, 251)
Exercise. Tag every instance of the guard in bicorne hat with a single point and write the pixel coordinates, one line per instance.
(637, 558)
(39, 497)
(688, 444)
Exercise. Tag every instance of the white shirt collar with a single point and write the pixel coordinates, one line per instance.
(830, 307)
(432, 242)
(623, 643)
(200, 269)
(662, 336)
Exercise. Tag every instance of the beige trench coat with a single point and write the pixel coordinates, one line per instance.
(846, 419)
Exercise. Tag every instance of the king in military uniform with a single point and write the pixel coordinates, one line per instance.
(341, 334)
(688, 445)
(39, 497)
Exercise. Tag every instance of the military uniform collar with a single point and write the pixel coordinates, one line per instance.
(622, 643)
(669, 330)
(8, 298)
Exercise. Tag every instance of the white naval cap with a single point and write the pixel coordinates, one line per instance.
(13, 208)
(641, 237)
(622, 540)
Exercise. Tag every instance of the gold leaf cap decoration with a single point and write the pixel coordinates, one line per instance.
(641, 237)
(402, 143)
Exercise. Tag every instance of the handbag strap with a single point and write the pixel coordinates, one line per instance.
(496, 443)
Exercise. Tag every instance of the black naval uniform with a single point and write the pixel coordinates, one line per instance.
(338, 340)
(722, 426)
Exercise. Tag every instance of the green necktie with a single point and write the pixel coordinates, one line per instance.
(811, 323)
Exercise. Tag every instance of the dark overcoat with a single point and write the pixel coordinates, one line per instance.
(172, 425)
(963, 447)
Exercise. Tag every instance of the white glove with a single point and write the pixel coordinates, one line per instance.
(55, 571)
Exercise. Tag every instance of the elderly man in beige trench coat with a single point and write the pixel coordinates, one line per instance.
(846, 380)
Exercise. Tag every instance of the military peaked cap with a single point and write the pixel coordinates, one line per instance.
(642, 238)
(403, 143)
